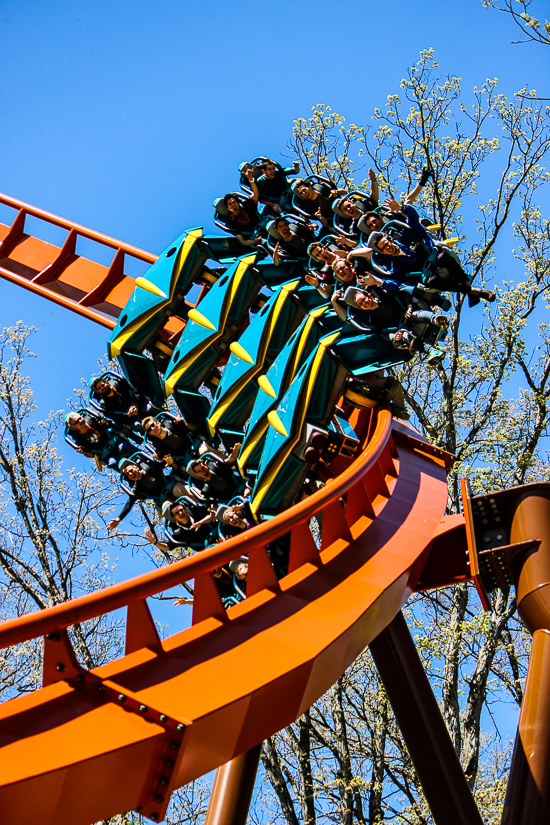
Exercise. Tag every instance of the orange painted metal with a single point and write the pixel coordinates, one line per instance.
(509, 543)
(528, 798)
(472, 544)
(59, 274)
(49, 217)
(217, 689)
(447, 562)
(232, 790)
(528, 794)
(435, 760)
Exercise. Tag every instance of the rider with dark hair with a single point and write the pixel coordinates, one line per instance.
(294, 242)
(243, 212)
(273, 183)
(315, 203)
(187, 524)
(147, 481)
(403, 258)
(171, 436)
(118, 399)
(391, 315)
(214, 477)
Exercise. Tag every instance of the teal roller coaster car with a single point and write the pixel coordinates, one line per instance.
(251, 355)
(212, 325)
(274, 384)
(310, 399)
(157, 294)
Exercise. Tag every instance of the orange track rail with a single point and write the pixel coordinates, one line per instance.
(123, 736)
(58, 273)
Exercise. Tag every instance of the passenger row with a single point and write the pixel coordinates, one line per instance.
(167, 460)
(382, 270)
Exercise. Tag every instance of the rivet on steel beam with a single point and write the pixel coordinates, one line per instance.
(175, 746)
(484, 521)
(80, 677)
(163, 718)
(101, 688)
(60, 667)
(491, 501)
(159, 799)
(499, 537)
(497, 518)
(139, 808)
(154, 816)
(169, 763)
(121, 697)
(164, 780)
(180, 727)
(143, 708)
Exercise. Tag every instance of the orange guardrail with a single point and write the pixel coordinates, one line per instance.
(60, 274)
(112, 598)
(84, 231)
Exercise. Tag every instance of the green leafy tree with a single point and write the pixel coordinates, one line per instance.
(50, 550)
(487, 403)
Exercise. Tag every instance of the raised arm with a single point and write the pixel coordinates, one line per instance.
(337, 306)
(360, 252)
(130, 501)
(314, 280)
(277, 254)
(248, 241)
(249, 175)
(210, 516)
(373, 185)
(427, 173)
(162, 545)
(232, 457)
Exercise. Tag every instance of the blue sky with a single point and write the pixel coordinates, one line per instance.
(130, 117)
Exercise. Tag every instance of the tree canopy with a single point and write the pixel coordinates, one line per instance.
(487, 403)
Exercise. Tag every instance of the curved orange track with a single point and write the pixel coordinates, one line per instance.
(89, 745)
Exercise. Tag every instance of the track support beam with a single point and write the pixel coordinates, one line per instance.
(232, 789)
(417, 712)
(528, 795)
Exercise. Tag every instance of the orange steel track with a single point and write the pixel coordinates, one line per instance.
(123, 736)
(58, 273)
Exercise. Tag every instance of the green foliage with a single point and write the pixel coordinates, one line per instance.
(487, 404)
(50, 519)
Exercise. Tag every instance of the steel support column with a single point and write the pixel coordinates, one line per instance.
(232, 789)
(528, 794)
(417, 712)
